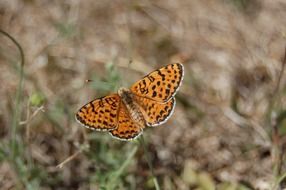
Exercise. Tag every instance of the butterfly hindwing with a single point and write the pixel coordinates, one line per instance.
(155, 113)
(127, 129)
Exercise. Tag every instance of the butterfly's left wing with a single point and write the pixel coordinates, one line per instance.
(100, 114)
(155, 113)
(160, 85)
(127, 129)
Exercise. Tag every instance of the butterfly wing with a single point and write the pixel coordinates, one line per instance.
(100, 114)
(160, 85)
(155, 113)
(127, 129)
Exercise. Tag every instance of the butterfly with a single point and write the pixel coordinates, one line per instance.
(147, 103)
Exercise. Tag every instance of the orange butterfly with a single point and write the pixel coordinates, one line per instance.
(149, 102)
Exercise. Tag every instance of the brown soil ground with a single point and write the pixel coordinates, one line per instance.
(221, 133)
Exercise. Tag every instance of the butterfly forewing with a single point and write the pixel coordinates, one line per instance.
(127, 129)
(101, 113)
(160, 85)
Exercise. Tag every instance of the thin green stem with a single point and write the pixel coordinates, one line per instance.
(16, 111)
(112, 182)
(277, 153)
(278, 181)
(281, 178)
(127, 161)
(147, 157)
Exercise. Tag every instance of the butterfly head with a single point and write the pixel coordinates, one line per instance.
(122, 91)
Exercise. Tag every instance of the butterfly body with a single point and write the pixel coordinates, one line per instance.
(148, 102)
(132, 107)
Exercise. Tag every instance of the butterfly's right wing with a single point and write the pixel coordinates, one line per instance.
(100, 114)
(155, 113)
(160, 85)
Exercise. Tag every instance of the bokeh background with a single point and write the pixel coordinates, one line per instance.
(228, 130)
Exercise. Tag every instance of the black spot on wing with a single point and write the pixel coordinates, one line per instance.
(167, 91)
(151, 78)
(101, 103)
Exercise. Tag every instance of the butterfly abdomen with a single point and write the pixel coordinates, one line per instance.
(132, 107)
